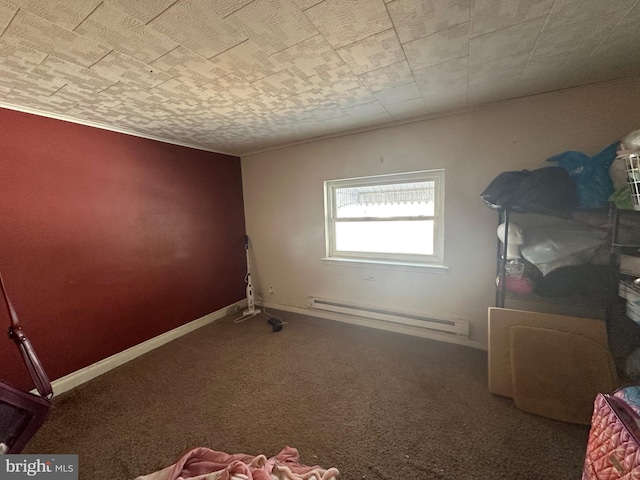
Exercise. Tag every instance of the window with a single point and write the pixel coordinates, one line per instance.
(394, 218)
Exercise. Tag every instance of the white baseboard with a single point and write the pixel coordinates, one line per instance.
(72, 380)
(371, 323)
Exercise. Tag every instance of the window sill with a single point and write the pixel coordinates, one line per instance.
(389, 265)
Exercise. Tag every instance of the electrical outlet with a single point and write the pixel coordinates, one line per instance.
(271, 289)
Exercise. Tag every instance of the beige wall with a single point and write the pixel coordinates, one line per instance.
(283, 194)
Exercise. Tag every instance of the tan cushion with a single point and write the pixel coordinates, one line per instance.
(502, 319)
(558, 374)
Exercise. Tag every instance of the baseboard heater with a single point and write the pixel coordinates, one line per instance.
(458, 328)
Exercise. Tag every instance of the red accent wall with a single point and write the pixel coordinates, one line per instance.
(108, 240)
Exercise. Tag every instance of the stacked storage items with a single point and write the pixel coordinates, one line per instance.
(625, 173)
(630, 286)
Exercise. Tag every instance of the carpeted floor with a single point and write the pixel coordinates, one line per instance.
(374, 404)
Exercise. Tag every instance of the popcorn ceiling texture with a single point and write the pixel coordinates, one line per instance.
(240, 76)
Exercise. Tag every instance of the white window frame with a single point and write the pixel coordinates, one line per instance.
(436, 260)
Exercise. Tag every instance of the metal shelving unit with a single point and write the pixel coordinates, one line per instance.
(583, 306)
(623, 332)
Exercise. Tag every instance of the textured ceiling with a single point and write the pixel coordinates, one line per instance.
(240, 76)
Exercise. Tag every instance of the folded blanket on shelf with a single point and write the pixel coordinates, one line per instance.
(205, 464)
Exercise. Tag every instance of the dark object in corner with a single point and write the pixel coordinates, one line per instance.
(275, 323)
(587, 280)
(547, 191)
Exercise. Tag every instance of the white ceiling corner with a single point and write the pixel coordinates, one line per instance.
(239, 76)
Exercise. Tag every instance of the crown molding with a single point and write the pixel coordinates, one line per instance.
(86, 123)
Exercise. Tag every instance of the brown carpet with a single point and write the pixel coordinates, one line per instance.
(374, 404)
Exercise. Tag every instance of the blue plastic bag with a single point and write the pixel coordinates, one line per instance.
(590, 174)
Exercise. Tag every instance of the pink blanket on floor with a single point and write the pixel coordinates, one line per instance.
(205, 464)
